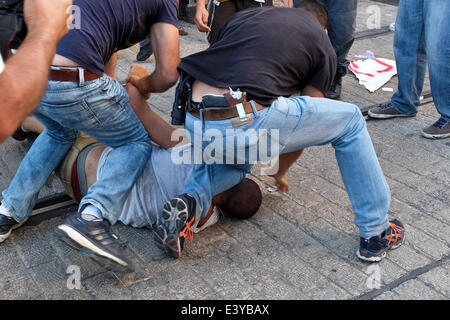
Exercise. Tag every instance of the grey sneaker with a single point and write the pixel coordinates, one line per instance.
(440, 129)
(386, 111)
(175, 226)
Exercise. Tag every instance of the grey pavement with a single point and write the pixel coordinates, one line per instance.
(301, 245)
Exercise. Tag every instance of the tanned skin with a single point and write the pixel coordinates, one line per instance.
(25, 77)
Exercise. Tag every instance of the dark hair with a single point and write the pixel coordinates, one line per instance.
(317, 8)
(242, 201)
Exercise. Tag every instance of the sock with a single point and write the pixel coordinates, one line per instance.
(4, 211)
(91, 213)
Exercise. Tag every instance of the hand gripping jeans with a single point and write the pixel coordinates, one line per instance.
(101, 109)
(298, 123)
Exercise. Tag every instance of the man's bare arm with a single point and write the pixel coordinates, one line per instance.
(165, 43)
(25, 77)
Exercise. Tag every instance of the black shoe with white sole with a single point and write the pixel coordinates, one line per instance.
(7, 225)
(375, 248)
(95, 239)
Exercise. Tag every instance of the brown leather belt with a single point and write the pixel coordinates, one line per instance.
(70, 75)
(227, 113)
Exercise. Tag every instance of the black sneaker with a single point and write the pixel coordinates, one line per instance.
(386, 111)
(7, 225)
(439, 130)
(145, 52)
(95, 239)
(20, 134)
(175, 225)
(375, 248)
(335, 90)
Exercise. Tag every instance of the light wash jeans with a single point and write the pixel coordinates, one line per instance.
(101, 109)
(304, 122)
(421, 34)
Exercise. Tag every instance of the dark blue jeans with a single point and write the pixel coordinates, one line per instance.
(422, 38)
(341, 28)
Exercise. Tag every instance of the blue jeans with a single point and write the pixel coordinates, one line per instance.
(303, 122)
(341, 28)
(101, 109)
(421, 35)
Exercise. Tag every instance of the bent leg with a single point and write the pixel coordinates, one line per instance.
(43, 157)
(325, 121)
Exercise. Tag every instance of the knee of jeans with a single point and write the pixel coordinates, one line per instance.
(354, 119)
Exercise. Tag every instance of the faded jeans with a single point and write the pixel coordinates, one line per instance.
(421, 35)
(101, 109)
(302, 122)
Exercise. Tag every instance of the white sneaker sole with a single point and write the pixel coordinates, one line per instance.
(6, 236)
(435, 136)
(387, 116)
(380, 257)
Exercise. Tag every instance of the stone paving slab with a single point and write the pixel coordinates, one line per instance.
(301, 245)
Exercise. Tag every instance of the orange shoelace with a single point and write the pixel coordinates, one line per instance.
(187, 231)
(395, 233)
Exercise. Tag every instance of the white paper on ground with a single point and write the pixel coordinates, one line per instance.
(373, 73)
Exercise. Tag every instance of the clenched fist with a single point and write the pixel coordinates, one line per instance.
(48, 19)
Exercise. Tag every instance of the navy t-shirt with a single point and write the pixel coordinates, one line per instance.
(267, 52)
(107, 26)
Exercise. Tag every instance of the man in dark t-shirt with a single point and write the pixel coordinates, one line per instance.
(80, 97)
(270, 54)
(271, 63)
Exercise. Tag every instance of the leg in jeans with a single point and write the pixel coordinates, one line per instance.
(410, 56)
(341, 28)
(437, 38)
(304, 122)
(42, 158)
(116, 126)
(100, 109)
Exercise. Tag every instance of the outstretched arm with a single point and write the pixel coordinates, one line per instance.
(158, 129)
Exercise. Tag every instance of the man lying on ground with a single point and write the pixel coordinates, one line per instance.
(161, 180)
(81, 97)
(252, 54)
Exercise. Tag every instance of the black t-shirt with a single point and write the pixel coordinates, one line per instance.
(267, 52)
(106, 26)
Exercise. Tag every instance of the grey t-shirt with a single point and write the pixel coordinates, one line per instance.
(160, 181)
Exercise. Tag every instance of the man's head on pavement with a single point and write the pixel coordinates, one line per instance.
(242, 201)
(318, 9)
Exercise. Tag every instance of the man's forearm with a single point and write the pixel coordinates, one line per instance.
(25, 79)
(159, 82)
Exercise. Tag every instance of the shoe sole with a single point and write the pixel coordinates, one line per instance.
(77, 241)
(381, 256)
(435, 136)
(387, 116)
(6, 236)
(172, 214)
